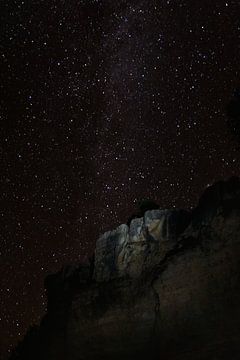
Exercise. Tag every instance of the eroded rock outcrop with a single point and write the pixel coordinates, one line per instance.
(167, 287)
(130, 251)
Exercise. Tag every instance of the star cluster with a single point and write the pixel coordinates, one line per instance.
(104, 103)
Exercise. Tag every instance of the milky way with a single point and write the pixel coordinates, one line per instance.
(104, 103)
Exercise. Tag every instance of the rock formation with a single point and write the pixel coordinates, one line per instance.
(165, 287)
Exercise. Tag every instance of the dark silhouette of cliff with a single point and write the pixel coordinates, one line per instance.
(165, 287)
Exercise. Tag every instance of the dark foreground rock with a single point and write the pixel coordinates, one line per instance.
(165, 287)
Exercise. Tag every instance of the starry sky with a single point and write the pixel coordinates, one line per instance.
(104, 103)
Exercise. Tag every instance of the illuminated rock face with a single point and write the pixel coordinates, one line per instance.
(131, 251)
(166, 288)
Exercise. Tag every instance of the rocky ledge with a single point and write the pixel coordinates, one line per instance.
(165, 287)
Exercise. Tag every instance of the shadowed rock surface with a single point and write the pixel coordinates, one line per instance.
(165, 287)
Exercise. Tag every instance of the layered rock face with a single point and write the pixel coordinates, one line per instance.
(167, 287)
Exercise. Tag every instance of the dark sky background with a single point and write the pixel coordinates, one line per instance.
(104, 103)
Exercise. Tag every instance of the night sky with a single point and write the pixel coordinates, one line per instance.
(104, 103)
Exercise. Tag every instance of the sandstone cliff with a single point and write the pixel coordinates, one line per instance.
(165, 287)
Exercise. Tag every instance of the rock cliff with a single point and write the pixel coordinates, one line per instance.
(165, 287)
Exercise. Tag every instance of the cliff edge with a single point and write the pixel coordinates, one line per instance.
(165, 287)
